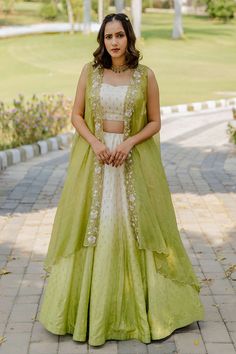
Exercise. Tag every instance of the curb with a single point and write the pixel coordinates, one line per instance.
(199, 106)
(26, 152)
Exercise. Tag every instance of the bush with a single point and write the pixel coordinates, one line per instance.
(221, 9)
(28, 122)
(48, 11)
(231, 131)
(231, 128)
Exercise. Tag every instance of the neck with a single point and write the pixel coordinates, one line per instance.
(118, 61)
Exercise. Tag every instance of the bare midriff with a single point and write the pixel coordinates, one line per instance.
(112, 126)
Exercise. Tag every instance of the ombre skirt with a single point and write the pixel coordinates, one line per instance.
(114, 290)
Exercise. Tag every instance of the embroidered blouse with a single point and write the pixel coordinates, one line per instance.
(112, 101)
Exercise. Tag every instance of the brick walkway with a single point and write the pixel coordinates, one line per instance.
(201, 169)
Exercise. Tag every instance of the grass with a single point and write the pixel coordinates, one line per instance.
(25, 13)
(199, 67)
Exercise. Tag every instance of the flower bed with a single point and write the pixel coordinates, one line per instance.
(231, 128)
(35, 119)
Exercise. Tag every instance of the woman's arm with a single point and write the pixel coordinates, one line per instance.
(77, 119)
(153, 112)
(77, 115)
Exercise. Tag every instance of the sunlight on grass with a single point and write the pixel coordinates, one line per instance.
(199, 67)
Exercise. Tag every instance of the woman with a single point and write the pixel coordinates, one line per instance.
(118, 268)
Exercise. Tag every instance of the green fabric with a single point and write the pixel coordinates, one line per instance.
(118, 288)
(156, 217)
(115, 291)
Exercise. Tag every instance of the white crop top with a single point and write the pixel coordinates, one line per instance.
(112, 101)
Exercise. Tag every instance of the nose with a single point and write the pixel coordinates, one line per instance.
(113, 41)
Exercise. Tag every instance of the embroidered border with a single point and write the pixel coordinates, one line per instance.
(129, 174)
(94, 216)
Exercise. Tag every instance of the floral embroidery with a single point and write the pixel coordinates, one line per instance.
(93, 222)
(94, 217)
(129, 177)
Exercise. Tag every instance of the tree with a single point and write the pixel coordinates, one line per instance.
(70, 15)
(87, 19)
(178, 28)
(119, 5)
(136, 10)
(100, 11)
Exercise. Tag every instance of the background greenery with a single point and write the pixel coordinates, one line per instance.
(200, 67)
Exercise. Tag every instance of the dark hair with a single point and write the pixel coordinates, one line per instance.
(101, 55)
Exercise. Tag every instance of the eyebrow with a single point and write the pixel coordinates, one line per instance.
(115, 33)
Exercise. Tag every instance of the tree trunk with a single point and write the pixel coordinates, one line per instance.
(70, 15)
(100, 11)
(136, 10)
(87, 20)
(178, 28)
(119, 5)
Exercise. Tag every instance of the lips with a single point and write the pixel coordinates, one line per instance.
(115, 50)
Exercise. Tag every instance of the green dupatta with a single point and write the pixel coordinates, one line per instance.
(151, 211)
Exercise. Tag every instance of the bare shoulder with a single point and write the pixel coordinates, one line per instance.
(85, 70)
(151, 75)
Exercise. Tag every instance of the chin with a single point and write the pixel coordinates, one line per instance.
(116, 55)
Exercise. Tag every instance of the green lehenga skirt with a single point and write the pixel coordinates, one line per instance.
(114, 290)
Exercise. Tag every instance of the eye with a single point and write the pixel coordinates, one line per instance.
(121, 35)
(108, 36)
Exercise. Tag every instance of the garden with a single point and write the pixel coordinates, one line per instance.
(39, 73)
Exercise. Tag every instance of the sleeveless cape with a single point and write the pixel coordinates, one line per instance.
(151, 211)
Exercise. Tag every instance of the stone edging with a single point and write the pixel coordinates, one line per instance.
(25, 152)
(199, 106)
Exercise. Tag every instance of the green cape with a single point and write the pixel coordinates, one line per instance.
(151, 210)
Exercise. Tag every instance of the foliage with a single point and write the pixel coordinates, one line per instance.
(106, 4)
(231, 129)
(33, 120)
(7, 6)
(49, 11)
(221, 9)
(158, 4)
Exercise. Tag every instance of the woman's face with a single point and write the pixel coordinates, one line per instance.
(115, 39)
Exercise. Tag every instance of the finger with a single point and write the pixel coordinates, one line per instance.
(123, 160)
(118, 160)
(101, 159)
(117, 154)
(107, 156)
(111, 159)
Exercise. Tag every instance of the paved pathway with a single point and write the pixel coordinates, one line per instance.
(201, 169)
(12, 31)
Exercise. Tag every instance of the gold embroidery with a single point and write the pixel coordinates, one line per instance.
(94, 217)
(129, 177)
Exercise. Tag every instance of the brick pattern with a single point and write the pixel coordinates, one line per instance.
(200, 165)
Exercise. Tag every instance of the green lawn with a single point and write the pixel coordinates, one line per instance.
(25, 13)
(200, 67)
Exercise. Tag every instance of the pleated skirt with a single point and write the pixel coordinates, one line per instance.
(113, 290)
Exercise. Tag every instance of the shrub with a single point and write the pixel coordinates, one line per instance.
(231, 128)
(36, 119)
(48, 11)
(221, 9)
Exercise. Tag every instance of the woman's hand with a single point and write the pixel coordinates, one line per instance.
(119, 155)
(101, 151)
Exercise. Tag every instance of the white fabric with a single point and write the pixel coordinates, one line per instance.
(114, 208)
(112, 101)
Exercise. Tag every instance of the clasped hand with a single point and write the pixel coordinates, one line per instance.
(115, 157)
